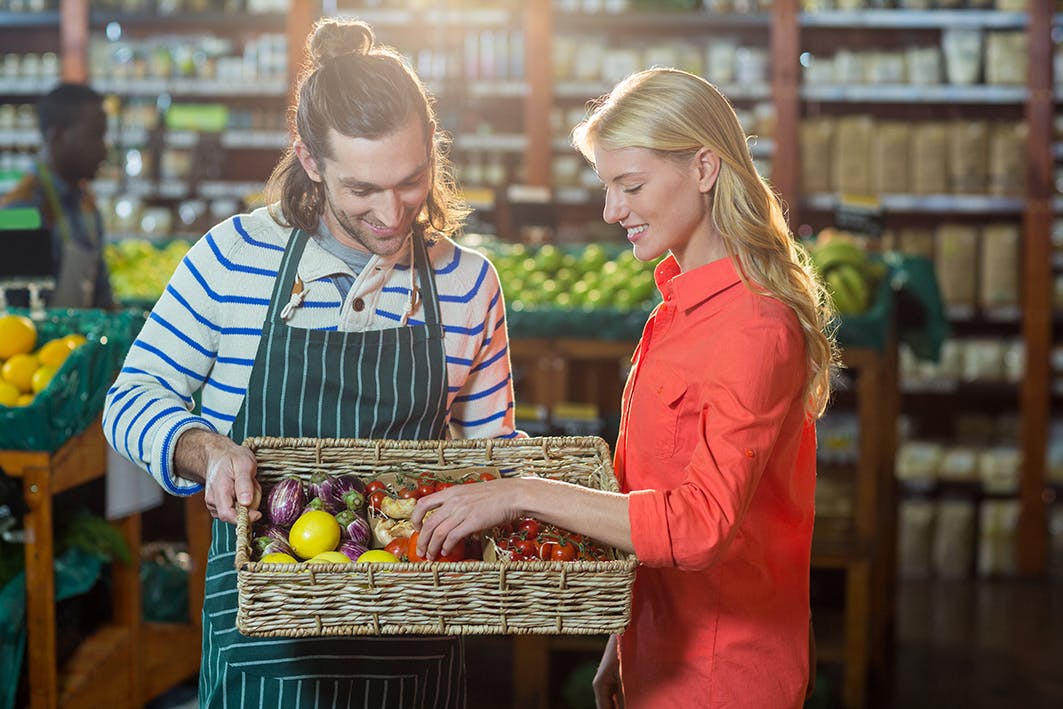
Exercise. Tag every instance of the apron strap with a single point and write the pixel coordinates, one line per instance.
(286, 275)
(427, 279)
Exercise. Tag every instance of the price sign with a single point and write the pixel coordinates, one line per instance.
(859, 214)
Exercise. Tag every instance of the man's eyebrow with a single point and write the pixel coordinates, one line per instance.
(356, 184)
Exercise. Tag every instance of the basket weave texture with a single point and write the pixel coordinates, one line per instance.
(459, 598)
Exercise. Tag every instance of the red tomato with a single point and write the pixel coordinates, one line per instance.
(374, 486)
(411, 548)
(425, 489)
(486, 476)
(529, 526)
(408, 493)
(564, 551)
(546, 550)
(375, 498)
(397, 546)
(526, 549)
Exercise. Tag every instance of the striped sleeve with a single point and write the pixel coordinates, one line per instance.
(177, 354)
(482, 405)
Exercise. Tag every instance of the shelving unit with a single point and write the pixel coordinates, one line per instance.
(127, 662)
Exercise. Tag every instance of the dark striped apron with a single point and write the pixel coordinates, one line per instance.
(379, 384)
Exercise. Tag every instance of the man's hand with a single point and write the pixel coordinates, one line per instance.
(226, 469)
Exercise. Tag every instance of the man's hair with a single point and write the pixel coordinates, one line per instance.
(359, 89)
(59, 108)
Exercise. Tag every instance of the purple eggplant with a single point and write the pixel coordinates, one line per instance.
(351, 549)
(269, 545)
(349, 488)
(353, 526)
(286, 501)
(315, 504)
(323, 486)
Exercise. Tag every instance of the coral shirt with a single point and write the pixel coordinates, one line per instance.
(719, 457)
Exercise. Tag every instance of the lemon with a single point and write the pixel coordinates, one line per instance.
(9, 394)
(18, 335)
(54, 353)
(19, 371)
(74, 340)
(329, 557)
(314, 532)
(377, 556)
(279, 557)
(41, 377)
(24, 400)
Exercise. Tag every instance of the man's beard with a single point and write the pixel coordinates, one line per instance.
(353, 232)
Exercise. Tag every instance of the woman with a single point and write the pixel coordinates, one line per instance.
(716, 453)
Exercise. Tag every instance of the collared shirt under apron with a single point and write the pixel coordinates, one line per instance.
(377, 384)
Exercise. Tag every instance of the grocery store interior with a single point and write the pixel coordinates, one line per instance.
(926, 132)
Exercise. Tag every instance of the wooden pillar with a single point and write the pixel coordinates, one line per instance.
(1037, 294)
(538, 26)
(785, 80)
(74, 40)
(40, 588)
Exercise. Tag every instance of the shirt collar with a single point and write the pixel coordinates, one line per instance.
(687, 290)
(318, 263)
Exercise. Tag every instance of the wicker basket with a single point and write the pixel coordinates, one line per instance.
(461, 598)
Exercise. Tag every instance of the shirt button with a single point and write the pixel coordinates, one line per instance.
(358, 305)
(749, 452)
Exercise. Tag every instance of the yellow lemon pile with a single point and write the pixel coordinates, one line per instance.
(25, 372)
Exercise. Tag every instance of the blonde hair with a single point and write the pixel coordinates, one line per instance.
(675, 114)
(362, 90)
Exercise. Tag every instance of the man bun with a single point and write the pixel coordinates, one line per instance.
(336, 38)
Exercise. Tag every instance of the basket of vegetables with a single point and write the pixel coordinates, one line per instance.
(335, 553)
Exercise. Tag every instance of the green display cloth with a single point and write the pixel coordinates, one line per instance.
(909, 296)
(74, 397)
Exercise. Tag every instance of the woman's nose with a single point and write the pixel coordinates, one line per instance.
(614, 210)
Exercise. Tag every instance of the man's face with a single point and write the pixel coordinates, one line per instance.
(374, 189)
(79, 149)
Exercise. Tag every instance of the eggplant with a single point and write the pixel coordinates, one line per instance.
(269, 545)
(354, 501)
(353, 526)
(350, 492)
(351, 549)
(315, 504)
(323, 486)
(286, 501)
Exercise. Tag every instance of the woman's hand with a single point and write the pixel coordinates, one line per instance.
(446, 517)
(607, 691)
(226, 469)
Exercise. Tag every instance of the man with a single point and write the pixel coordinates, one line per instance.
(73, 125)
(341, 310)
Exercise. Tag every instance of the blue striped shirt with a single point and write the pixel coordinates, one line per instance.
(203, 334)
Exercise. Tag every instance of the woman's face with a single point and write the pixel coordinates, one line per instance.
(374, 188)
(662, 203)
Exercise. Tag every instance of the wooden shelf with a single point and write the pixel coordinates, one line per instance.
(125, 663)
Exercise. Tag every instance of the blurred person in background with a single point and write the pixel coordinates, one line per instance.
(716, 455)
(73, 127)
(341, 310)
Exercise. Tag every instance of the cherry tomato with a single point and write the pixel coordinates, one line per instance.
(408, 493)
(375, 498)
(529, 526)
(546, 550)
(486, 476)
(564, 551)
(374, 486)
(397, 546)
(425, 489)
(456, 554)
(526, 549)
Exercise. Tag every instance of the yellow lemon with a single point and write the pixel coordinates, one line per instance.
(329, 557)
(279, 557)
(41, 377)
(54, 352)
(19, 371)
(18, 335)
(24, 400)
(314, 532)
(9, 394)
(74, 340)
(377, 556)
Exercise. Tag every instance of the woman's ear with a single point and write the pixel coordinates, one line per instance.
(707, 164)
(306, 160)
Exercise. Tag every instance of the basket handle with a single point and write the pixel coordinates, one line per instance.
(243, 547)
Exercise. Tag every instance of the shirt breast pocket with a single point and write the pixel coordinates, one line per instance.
(670, 389)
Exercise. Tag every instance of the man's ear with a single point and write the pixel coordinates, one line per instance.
(307, 160)
(707, 163)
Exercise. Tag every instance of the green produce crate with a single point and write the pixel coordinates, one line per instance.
(75, 395)
(583, 323)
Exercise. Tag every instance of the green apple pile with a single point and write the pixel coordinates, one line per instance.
(140, 269)
(585, 277)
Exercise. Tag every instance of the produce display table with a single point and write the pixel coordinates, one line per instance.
(127, 662)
